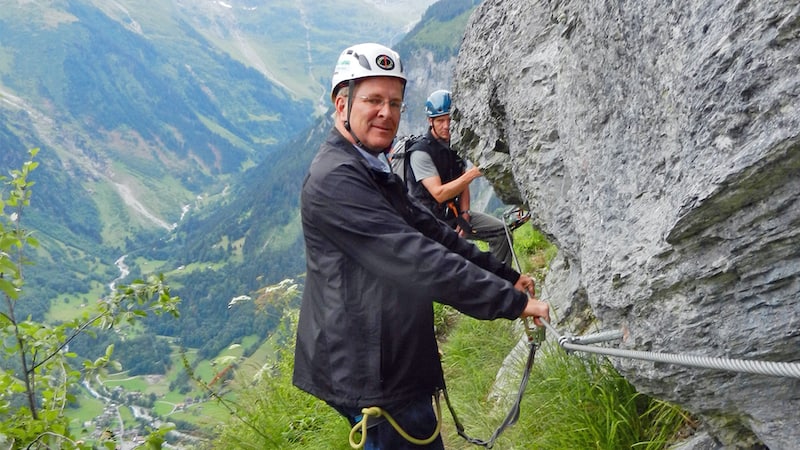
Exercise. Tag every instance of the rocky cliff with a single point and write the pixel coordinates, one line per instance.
(658, 145)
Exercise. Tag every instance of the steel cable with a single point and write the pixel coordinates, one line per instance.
(772, 368)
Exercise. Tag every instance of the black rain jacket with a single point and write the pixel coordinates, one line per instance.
(376, 262)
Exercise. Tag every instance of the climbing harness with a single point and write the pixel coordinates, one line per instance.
(377, 412)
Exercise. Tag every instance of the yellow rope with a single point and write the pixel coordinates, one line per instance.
(377, 411)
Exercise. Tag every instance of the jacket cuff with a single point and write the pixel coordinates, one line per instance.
(520, 307)
(509, 274)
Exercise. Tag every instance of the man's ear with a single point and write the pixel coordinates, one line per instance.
(340, 104)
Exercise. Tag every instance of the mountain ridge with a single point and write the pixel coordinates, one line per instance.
(139, 115)
(219, 223)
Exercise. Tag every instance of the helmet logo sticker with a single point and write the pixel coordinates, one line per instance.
(384, 62)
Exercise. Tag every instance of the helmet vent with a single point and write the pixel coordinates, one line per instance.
(362, 60)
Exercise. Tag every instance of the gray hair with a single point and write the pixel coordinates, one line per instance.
(343, 92)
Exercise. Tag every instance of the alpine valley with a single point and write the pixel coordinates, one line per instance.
(173, 137)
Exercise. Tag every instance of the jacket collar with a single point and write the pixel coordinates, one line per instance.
(378, 163)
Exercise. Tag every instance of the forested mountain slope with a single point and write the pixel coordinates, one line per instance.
(145, 110)
(177, 135)
(251, 237)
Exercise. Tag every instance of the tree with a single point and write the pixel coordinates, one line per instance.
(38, 368)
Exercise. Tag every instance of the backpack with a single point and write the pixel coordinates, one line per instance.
(398, 154)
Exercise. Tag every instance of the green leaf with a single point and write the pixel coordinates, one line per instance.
(9, 289)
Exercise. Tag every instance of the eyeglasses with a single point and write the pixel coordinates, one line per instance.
(378, 102)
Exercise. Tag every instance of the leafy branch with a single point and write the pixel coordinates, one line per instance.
(44, 375)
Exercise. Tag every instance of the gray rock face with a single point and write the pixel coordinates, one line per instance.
(658, 145)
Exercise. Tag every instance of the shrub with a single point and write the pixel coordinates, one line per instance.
(39, 374)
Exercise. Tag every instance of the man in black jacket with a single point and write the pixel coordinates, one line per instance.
(376, 262)
(440, 179)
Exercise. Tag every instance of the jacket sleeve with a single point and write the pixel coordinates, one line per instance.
(439, 231)
(424, 258)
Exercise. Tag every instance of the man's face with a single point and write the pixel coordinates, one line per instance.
(441, 127)
(376, 111)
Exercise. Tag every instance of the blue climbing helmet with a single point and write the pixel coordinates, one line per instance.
(438, 103)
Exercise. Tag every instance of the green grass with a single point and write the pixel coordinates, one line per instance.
(68, 306)
(534, 251)
(273, 414)
(129, 384)
(89, 408)
(444, 37)
(228, 135)
(283, 237)
(176, 368)
(206, 415)
(572, 401)
(594, 407)
(115, 219)
(164, 407)
(250, 366)
(205, 371)
(127, 416)
(473, 353)
(151, 183)
(149, 266)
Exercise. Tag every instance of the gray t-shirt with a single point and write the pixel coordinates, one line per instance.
(423, 166)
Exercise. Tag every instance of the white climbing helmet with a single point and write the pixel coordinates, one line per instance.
(363, 61)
